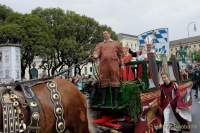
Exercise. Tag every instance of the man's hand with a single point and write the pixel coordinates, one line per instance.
(177, 110)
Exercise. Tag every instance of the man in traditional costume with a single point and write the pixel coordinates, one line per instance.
(108, 52)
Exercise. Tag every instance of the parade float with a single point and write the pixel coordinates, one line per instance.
(138, 103)
(138, 108)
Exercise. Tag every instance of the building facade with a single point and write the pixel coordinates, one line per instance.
(191, 45)
(10, 63)
(129, 41)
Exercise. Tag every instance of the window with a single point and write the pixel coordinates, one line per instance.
(90, 69)
(85, 70)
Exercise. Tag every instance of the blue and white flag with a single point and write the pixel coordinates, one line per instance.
(160, 40)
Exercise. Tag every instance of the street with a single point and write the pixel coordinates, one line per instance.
(195, 115)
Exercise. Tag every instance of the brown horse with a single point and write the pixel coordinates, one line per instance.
(74, 105)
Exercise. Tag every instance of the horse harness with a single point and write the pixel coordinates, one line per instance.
(12, 104)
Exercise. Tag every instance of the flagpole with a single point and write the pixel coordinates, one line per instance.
(188, 26)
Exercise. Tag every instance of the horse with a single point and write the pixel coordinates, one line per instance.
(73, 103)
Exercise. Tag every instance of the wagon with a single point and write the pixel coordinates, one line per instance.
(137, 109)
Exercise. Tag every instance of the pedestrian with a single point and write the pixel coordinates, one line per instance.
(78, 82)
(168, 100)
(196, 80)
(109, 53)
(34, 72)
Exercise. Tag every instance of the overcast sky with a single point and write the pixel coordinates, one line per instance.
(127, 16)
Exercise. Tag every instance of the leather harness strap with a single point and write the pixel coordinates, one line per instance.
(31, 99)
(12, 123)
(11, 110)
(58, 108)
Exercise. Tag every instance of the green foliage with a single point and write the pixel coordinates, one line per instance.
(198, 56)
(131, 96)
(14, 18)
(4, 12)
(37, 38)
(58, 37)
(75, 36)
(10, 33)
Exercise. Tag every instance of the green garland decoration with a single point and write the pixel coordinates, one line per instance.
(131, 97)
(145, 74)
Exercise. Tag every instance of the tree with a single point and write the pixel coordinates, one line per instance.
(80, 33)
(58, 37)
(14, 17)
(11, 33)
(36, 37)
(4, 12)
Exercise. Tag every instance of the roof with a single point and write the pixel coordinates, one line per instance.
(127, 35)
(185, 40)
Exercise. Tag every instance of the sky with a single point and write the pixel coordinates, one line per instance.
(128, 16)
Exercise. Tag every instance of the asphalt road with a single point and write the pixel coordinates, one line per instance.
(195, 115)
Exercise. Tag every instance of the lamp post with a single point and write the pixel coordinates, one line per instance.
(188, 31)
(188, 27)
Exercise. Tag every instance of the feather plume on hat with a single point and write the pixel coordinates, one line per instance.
(149, 40)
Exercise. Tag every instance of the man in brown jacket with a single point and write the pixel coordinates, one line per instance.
(108, 52)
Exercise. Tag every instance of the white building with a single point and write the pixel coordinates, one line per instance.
(88, 69)
(192, 44)
(10, 63)
(129, 41)
(85, 69)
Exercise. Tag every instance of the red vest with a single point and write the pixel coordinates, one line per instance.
(166, 94)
